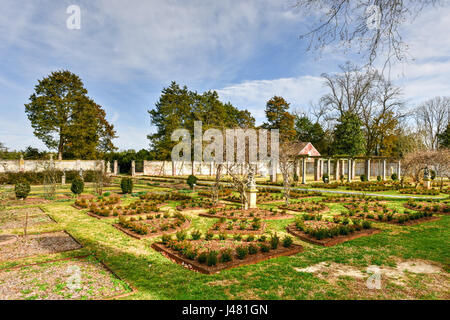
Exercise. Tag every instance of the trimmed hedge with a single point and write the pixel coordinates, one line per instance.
(22, 189)
(126, 184)
(77, 185)
(38, 177)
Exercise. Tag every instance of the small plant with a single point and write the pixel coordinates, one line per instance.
(166, 238)
(202, 257)
(126, 184)
(378, 178)
(225, 255)
(196, 235)
(191, 181)
(22, 189)
(77, 186)
(209, 236)
(252, 249)
(211, 259)
(181, 235)
(394, 176)
(363, 177)
(242, 252)
(274, 241)
(287, 242)
(264, 247)
(326, 178)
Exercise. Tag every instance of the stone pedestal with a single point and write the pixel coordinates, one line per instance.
(427, 184)
(251, 198)
(63, 178)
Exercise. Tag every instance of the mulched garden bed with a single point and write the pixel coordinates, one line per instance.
(223, 244)
(39, 244)
(381, 213)
(406, 223)
(309, 207)
(247, 214)
(436, 208)
(292, 229)
(207, 207)
(58, 280)
(238, 227)
(158, 231)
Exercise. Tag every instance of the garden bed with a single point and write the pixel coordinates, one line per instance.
(216, 245)
(328, 242)
(381, 213)
(436, 208)
(39, 244)
(247, 214)
(254, 226)
(58, 279)
(150, 228)
(15, 218)
(310, 207)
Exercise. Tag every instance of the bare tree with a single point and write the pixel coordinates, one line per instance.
(216, 185)
(366, 93)
(239, 180)
(370, 26)
(432, 117)
(349, 90)
(415, 163)
(286, 161)
(381, 114)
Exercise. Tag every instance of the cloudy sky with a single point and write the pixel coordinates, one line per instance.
(127, 51)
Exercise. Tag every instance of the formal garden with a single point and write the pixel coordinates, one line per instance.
(153, 237)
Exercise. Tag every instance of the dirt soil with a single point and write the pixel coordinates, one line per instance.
(68, 279)
(410, 279)
(37, 244)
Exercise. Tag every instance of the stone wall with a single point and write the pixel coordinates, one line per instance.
(41, 165)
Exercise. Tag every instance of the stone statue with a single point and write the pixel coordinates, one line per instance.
(251, 177)
(426, 174)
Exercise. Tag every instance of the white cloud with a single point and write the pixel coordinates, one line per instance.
(253, 95)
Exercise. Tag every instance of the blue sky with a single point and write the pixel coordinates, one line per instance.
(127, 51)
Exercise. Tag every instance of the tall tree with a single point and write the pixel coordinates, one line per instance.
(444, 138)
(278, 117)
(348, 135)
(65, 119)
(367, 94)
(432, 117)
(307, 131)
(179, 107)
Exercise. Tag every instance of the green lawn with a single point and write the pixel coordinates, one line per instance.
(156, 277)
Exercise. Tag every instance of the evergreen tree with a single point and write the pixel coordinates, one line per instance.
(178, 108)
(444, 138)
(278, 117)
(66, 119)
(348, 135)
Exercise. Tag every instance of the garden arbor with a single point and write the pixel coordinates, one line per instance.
(345, 167)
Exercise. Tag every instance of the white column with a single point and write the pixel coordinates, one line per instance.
(133, 168)
(336, 169)
(399, 170)
(383, 170)
(304, 170)
(349, 169)
(368, 169)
